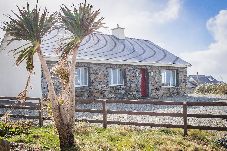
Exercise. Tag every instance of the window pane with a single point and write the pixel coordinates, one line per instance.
(85, 82)
(114, 76)
(82, 76)
(168, 77)
(77, 77)
(163, 77)
(174, 78)
(120, 80)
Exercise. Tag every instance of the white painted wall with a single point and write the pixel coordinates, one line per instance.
(13, 78)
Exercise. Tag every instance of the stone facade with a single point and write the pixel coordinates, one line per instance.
(98, 82)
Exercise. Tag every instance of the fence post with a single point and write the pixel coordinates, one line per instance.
(40, 114)
(104, 114)
(185, 118)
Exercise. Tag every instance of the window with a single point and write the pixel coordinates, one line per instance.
(169, 78)
(81, 77)
(115, 77)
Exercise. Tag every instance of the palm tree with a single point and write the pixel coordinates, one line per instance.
(31, 26)
(80, 23)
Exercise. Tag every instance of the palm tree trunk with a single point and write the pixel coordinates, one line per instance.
(64, 127)
(66, 137)
(72, 86)
(47, 75)
(51, 91)
(67, 142)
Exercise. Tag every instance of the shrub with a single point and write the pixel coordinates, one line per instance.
(220, 89)
(14, 128)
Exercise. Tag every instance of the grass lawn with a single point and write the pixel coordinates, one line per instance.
(120, 138)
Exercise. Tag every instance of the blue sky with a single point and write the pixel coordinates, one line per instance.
(195, 30)
(197, 13)
(188, 32)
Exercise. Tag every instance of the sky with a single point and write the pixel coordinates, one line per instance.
(195, 30)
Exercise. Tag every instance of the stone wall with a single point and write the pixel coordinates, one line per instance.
(98, 85)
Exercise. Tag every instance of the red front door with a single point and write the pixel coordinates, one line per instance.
(144, 82)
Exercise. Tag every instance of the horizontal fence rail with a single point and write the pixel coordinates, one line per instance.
(105, 111)
(14, 103)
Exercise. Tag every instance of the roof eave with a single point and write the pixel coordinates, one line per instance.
(56, 58)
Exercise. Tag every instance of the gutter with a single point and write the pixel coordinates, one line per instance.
(56, 58)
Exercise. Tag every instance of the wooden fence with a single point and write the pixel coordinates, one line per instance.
(13, 103)
(105, 111)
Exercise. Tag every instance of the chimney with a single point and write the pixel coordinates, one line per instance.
(118, 32)
(197, 76)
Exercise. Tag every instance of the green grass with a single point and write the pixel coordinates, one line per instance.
(123, 138)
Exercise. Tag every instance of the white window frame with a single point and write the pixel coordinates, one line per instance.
(119, 72)
(175, 78)
(81, 69)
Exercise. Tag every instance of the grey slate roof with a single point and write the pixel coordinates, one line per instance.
(103, 47)
(201, 79)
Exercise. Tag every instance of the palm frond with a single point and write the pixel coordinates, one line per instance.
(80, 22)
(29, 25)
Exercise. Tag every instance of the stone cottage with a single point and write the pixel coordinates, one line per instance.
(115, 66)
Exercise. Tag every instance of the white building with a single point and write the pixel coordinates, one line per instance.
(13, 78)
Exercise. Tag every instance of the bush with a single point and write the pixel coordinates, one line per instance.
(8, 129)
(220, 89)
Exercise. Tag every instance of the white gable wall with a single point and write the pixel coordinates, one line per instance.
(13, 78)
